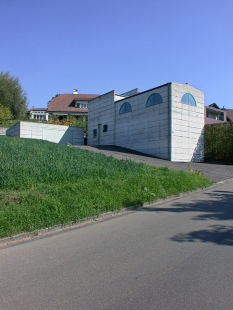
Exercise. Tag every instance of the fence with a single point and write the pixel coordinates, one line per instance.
(219, 142)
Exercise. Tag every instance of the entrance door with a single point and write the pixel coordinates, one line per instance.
(99, 132)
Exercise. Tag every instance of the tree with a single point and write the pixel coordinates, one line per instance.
(12, 96)
(5, 113)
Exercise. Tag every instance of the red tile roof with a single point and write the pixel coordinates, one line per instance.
(37, 109)
(65, 102)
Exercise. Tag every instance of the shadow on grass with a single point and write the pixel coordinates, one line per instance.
(217, 206)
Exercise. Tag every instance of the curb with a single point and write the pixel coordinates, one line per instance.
(60, 227)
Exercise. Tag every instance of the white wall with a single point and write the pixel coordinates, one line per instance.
(145, 129)
(171, 130)
(101, 112)
(54, 133)
(3, 131)
(187, 125)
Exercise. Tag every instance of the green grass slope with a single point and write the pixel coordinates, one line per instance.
(44, 184)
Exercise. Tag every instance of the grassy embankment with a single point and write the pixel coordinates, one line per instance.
(9, 123)
(44, 184)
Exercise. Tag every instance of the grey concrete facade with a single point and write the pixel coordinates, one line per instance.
(53, 133)
(170, 130)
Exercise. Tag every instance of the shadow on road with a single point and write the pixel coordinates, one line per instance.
(217, 206)
(219, 234)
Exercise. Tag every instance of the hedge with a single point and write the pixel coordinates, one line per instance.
(219, 142)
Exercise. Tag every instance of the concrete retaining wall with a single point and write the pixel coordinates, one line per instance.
(3, 131)
(53, 133)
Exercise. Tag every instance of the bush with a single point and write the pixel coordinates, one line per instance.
(219, 142)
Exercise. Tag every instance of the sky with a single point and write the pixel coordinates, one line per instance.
(96, 46)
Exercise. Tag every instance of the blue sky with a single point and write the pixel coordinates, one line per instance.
(54, 46)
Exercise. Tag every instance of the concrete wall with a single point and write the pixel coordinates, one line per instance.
(145, 129)
(187, 134)
(49, 132)
(101, 112)
(3, 131)
(14, 131)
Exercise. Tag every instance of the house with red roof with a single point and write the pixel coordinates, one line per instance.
(214, 114)
(70, 104)
(230, 115)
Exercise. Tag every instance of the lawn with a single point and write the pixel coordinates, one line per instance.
(43, 184)
(8, 123)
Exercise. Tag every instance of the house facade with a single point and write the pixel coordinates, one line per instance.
(214, 115)
(38, 114)
(166, 121)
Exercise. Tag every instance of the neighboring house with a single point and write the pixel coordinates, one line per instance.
(166, 121)
(213, 114)
(39, 114)
(70, 104)
(230, 115)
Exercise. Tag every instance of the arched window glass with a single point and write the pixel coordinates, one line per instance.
(188, 99)
(154, 99)
(125, 108)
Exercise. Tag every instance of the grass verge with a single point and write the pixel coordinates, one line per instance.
(43, 184)
(8, 123)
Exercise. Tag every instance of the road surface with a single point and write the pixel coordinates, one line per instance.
(173, 255)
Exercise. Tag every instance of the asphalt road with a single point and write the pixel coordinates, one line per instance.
(173, 255)
(214, 171)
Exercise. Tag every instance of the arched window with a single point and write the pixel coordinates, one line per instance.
(188, 99)
(154, 99)
(125, 108)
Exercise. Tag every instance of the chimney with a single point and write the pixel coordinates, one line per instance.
(75, 92)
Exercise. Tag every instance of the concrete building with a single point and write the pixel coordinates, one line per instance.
(166, 121)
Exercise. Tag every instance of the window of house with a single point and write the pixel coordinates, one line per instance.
(125, 108)
(215, 115)
(105, 128)
(80, 105)
(83, 105)
(95, 133)
(154, 99)
(188, 99)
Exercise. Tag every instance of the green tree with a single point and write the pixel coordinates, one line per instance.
(5, 113)
(12, 96)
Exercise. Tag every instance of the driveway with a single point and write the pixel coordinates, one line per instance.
(172, 255)
(215, 172)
